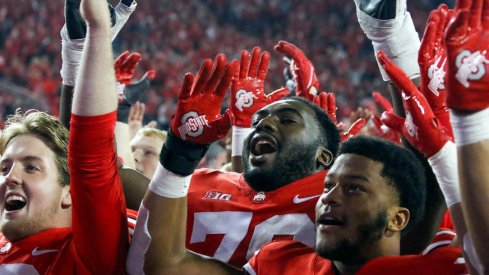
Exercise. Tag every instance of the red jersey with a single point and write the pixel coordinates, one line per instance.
(290, 257)
(98, 239)
(229, 221)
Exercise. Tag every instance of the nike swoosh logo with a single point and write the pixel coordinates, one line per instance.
(297, 200)
(36, 252)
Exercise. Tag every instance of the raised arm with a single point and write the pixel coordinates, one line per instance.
(466, 40)
(99, 211)
(161, 227)
(73, 36)
(389, 26)
(426, 133)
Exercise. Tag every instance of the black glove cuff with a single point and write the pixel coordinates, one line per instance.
(123, 111)
(181, 157)
(383, 9)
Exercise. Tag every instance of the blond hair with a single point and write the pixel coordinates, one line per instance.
(152, 132)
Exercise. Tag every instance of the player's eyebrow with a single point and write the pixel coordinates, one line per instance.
(289, 109)
(349, 176)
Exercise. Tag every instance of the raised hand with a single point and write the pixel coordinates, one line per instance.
(383, 9)
(135, 118)
(384, 131)
(433, 64)
(389, 26)
(198, 118)
(302, 70)
(135, 90)
(381, 129)
(125, 66)
(327, 102)
(421, 127)
(247, 88)
(128, 94)
(74, 31)
(467, 44)
(354, 129)
(383, 102)
(95, 13)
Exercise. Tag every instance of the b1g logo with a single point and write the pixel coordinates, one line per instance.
(436, 74)
(471, 66)
(192, 124)
(244, 99)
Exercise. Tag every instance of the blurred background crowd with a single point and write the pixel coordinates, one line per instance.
(175, 36)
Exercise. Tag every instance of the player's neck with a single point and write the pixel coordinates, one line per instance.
(346, 269)
(384, 247)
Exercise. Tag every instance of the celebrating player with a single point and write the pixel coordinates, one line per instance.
(59, 222)
(367, 204)
(291, 142)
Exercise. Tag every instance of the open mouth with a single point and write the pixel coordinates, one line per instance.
(330, 220)
(14, 202)
(263, 144)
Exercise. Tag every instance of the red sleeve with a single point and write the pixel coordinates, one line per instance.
(99, 209)
(287, 257)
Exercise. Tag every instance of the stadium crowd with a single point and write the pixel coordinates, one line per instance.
(173, 36)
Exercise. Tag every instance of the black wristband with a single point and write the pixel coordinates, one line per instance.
(123, 111)
(181, 157)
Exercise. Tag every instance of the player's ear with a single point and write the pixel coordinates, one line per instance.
(324, 157)
(66, 197)
(398, 218)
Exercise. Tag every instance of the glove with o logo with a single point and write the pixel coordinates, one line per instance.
(248, 87)
(198, 121)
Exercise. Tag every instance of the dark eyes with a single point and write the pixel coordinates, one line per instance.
(283, 120)
(328, 186)
(354, 188)
(254, 122)
(287, 120)
(5, 169)
(150, 153)
(349, 188)
(31, 168)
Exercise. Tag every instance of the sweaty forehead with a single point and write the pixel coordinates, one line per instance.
(288, 104)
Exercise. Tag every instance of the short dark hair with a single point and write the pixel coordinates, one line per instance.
(330, 136)
(403, 170)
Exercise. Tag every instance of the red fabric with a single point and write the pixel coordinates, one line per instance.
(97, 241)
(228, 221)
(291, 257)
(99, 208)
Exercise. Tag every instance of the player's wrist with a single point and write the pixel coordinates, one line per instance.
(71, 52)
(122, 14)
(397, 38)
(181, 157)
(470, 128)
(166, 183)
(444, 165)
(238, 136)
